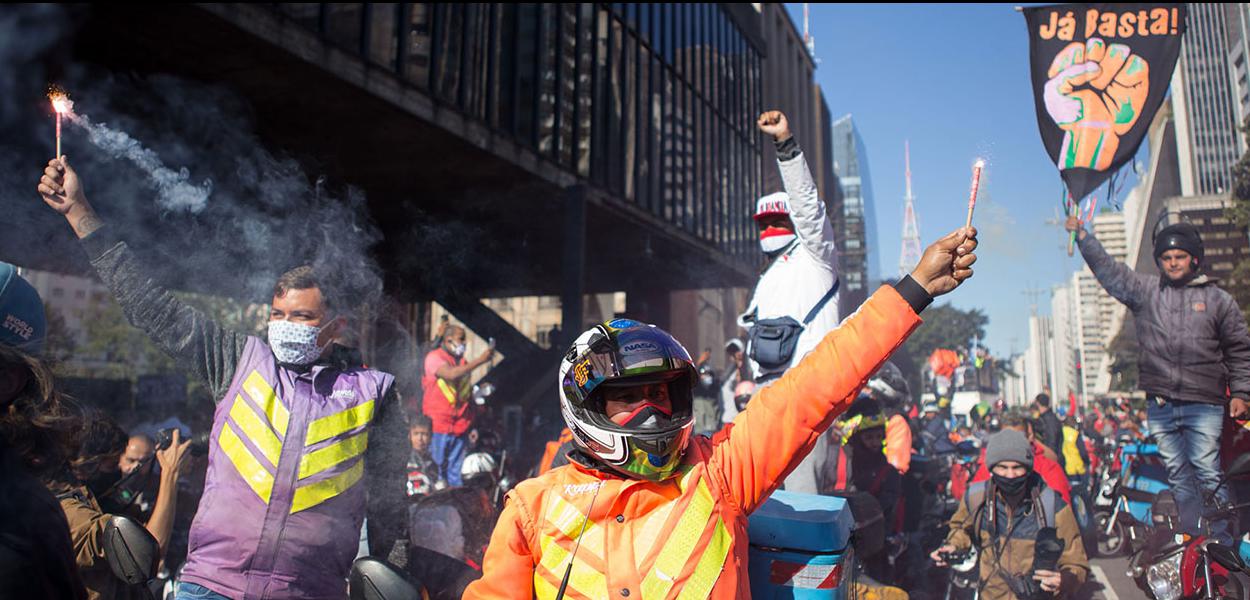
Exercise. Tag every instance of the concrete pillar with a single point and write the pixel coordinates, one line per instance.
(573, 277)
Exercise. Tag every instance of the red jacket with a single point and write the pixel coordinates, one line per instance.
(448, 403)
(1052, 473)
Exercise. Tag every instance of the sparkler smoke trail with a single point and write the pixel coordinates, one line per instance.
(174, 188)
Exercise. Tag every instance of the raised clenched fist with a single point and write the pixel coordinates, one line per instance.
(1095, 94)
(774, 123)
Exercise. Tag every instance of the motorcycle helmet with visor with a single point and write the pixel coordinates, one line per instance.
(623, 353)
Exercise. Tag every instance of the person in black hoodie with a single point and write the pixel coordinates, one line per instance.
(1049, 430)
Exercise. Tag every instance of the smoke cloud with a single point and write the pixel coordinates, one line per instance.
(174, 189)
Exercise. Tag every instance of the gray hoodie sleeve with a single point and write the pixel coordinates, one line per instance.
(189, 336)
(1124, 284)
(1235, 346)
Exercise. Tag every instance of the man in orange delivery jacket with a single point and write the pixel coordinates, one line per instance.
(645, 509)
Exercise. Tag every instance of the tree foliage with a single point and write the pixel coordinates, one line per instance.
(1238, 211)
(59, 343)
(947, 327)
(1123, 353)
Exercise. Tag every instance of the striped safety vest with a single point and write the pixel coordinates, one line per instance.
(679, 547)
(283, 500)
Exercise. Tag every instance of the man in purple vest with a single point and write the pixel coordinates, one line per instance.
(302, 433)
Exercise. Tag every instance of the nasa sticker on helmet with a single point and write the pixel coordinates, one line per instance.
(637, 347)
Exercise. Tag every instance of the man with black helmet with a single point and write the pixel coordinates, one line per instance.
(1195, 350)
(648, 509)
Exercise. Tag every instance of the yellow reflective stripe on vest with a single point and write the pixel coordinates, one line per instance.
(256, 431)
(267, 399)
(680, 545)
(256, 476)
(705, 574)
(341, 451)
(543, 589)
(448, 393)
(339, 423)
(316, 493)
(585, 580)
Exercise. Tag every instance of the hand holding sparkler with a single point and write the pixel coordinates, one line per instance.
(60, 188)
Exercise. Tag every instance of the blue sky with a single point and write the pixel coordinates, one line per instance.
(954, 80)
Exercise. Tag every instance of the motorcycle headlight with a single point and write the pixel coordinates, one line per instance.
(1164, 578)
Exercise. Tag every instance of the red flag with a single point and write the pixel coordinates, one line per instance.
(1071, 403)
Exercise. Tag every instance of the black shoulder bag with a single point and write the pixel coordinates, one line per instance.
(772, 341)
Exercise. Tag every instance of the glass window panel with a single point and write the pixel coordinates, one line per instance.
(448, 34)
(568, 57)
(642, 92)
(417, 45)
(383, 34)
(343, 24)
(658, 119)
(503, 68)
(585, 86)
(527, 72)
(547, 78)
(307, 14)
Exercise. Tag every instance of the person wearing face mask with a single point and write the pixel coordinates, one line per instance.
(1194, 362)
(447, 399)
(297, 420)
(1003, 519)
(646, 508)
(92, 474)
(795, 302)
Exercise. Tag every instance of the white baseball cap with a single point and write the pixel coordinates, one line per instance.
(776, 203)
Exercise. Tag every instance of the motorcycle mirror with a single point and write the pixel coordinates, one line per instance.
(373, 579)
(131, 551)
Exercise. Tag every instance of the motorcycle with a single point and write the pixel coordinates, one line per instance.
(963, 580)
(1170, 565)
(1127, 489)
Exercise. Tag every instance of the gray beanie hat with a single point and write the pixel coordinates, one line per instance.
(1009, 444)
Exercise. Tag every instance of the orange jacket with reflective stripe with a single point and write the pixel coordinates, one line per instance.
(686, 536)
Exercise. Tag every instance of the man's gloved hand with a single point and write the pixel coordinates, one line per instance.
(947, 262)
(1113, 84)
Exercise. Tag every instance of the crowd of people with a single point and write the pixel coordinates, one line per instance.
(313, 458)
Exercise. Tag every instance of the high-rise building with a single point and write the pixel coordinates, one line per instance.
(1038, 361)
(1065, 346)
(857, 234)
(1237, 26)
(1109, 228)
(1202, 93)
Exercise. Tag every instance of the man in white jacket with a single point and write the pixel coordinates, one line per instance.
(800, 282)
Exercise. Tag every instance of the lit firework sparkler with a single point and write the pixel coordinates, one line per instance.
(976, 185)
(61, 104)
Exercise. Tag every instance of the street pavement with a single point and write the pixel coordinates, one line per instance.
(1108, 581)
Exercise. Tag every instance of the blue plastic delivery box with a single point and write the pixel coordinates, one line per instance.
(798, 546)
